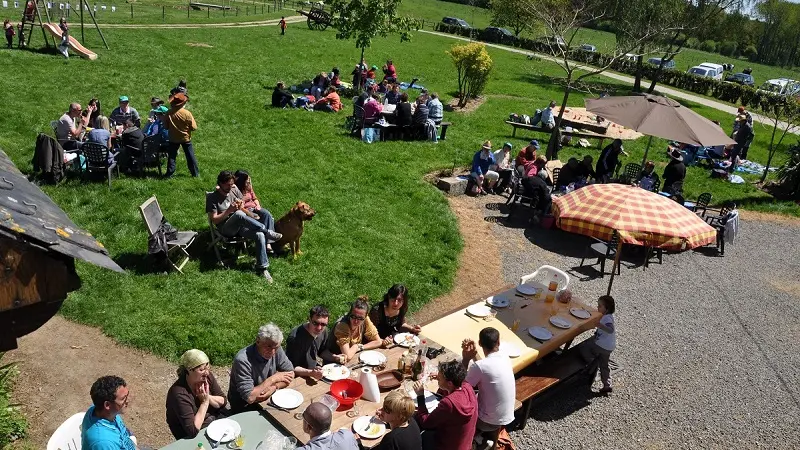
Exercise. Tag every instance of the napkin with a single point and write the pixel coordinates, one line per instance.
(370, 383)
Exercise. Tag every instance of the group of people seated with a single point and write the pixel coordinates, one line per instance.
(365, 77)
(416, 119)
(121, 132)
(323, 98)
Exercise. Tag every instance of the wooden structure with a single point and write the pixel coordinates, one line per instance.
(38, 247)
(32, 17)
(317, 18)
(575, 134)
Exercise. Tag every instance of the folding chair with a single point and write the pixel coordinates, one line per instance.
(603, 250)
(152, 216)
(218, 240)
(97, 159)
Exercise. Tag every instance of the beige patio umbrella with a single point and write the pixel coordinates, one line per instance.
(660, 117)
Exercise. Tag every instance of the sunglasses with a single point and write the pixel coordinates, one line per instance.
(317, 323)
(355, 317)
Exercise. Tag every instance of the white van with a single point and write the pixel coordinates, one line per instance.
(709, 70)
(781, 86)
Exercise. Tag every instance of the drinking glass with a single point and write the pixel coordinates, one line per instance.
(491, 315)
(355, 411)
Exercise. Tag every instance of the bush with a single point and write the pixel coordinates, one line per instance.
(708, 46)
(692, 43)
(12, 422)
(727, 48)
(789, 173)
(750, 52)
(473, 64)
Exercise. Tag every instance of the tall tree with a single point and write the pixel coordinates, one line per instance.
(512, 14)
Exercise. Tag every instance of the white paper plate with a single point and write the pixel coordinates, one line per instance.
(227, 427)
(540, 333)
(369, 427)
(580, 313)
(287, 398)
(510, 349)
(372, 358)
(406, 340)
(560, 322)
(501, 302)
(526, 289)
(478, 310)
(335, 372)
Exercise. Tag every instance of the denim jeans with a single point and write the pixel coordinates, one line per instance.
(265, 217)
(240, 224)
(188, 150)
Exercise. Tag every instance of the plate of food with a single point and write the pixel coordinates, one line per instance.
(406, 340)
(540, 333)
(527, 289)
(498, 302)
(580, 313)
(478, 310)
(333, 372)
(372, 358)
(287, 398)
(369, 427)
(223, 430)
(510, 349)
(560, 322)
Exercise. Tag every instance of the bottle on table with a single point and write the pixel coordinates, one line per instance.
(416, 369)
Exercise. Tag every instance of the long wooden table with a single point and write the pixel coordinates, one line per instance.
(451, 329)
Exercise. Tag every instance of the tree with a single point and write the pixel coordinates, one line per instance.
(784, 116)
(364, 20)
(511, 14)
(473, 64)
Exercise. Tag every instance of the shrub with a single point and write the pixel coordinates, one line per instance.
(708, 46)
(12, 422)
(750, 52)
(789, 173)
(473, 64)
(727, 48)
(692, 43)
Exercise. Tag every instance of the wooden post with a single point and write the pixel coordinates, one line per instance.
(83, 36)
(91, 14)
(208, 11)
(163, 13)
(131, 10)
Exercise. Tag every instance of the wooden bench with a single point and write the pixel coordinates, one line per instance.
(198, 6)
(553, 370)
(575, 134)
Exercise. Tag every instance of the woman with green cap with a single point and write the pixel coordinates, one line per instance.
(195, 400)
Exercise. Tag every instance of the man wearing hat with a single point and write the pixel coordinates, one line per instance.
(155, 126)
(180, 124)
(608, 160)
(484, 178)
(125, 112)
(503, 167)
(674, 173)
(195, 399)
(526, 158)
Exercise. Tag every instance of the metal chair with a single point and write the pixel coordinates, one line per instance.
(631, 173)
(603, 250)
(153, 217)
(54, 127)
(97, 159)
(518, 195)
(702, 203)
(220, 241)
(150, 154)
(726, 213)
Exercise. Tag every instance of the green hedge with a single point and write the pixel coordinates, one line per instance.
(12, 423)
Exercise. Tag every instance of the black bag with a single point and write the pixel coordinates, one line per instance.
(170, 232)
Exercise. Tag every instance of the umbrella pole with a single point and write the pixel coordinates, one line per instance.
(646, 150)
(614, 267)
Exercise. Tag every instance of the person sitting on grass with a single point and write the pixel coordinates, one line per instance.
(604, 341)
(102, 426)
(435, 109)
(393, 96)
(329, 103)
(403, 111)
(259, 370)
(305, 343)
(389, 316)
(319, 85)
(225, 208)
(451, 426)
(195, 399)
(525, 159)
(383, 87)
(353, 333)
(493, 376)
(389, 72)
(317, 420)
(503, 167)
(334, 78)
(483, 178)
(397, 411)
(281, 97)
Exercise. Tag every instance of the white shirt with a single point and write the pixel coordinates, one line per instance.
(503, 160)
(604, 339)
(547, 117)
(494, 379)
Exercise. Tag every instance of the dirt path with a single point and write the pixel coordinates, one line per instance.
(257, 23)
(59, 362)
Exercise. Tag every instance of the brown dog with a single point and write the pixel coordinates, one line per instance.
(291, 227)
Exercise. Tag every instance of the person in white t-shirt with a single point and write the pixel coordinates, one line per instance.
(493, 377)
(604, 341)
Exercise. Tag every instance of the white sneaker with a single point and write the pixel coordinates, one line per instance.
(273, 236)
(267, 276)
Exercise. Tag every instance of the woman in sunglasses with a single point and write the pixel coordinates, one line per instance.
(195, 400)
(354, 333)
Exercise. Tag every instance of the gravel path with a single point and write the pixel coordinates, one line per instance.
(707, 345)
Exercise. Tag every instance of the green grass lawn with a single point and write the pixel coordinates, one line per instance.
(378, 222)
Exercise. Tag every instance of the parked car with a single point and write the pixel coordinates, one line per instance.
(499, 34)
(630, 57)
(708, 70)
(781, 87)
(741, 78)
(454, 21)
(588, 48)
(657, 62)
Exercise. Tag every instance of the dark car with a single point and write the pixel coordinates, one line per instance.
(741, 78)
(498, 34)
(456, 22)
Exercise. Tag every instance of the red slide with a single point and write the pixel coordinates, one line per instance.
(73, 43)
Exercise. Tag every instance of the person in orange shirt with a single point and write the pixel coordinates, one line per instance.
(180, 124)
(329, 103)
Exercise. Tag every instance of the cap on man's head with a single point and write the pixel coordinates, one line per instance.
(508, 144)
(161, 109)
(535, 144)
(123, 98)
(374, 67)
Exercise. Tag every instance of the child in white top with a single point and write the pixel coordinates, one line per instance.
(604, 341)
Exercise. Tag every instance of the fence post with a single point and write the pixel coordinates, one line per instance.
(163, 13)
(246, 10)
(188, 10)
(208, 12)
(237, 11)
(267, 9)
(423, 24)
(131, 10)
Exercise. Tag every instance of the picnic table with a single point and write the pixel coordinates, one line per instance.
(530, 310)
(254, 426)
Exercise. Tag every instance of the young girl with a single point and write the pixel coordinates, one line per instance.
(604, 341)
(64, 46)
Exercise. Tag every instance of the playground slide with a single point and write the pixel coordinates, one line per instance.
(73, 43)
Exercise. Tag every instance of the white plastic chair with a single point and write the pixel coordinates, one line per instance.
(548, 274)
(68, 435)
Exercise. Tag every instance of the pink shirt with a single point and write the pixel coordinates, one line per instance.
(372, 109)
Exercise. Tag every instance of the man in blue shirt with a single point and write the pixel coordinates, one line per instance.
(103, 428)
(548, 119)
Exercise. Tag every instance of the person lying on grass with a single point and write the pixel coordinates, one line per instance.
(354, 332)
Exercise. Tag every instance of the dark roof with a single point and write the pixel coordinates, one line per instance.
(27, 214)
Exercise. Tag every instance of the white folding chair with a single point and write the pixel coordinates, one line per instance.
(152, 216)
(68, 435)
(547, 274)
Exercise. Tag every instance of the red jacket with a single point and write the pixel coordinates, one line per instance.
(454, 419)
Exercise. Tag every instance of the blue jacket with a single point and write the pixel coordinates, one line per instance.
(480, 165)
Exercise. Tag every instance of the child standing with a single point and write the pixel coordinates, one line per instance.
(9, 29)
(283, 25)
(604, 341)
(21, 30)
(64, 46)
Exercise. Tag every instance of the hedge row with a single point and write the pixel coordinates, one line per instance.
(728, 92)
